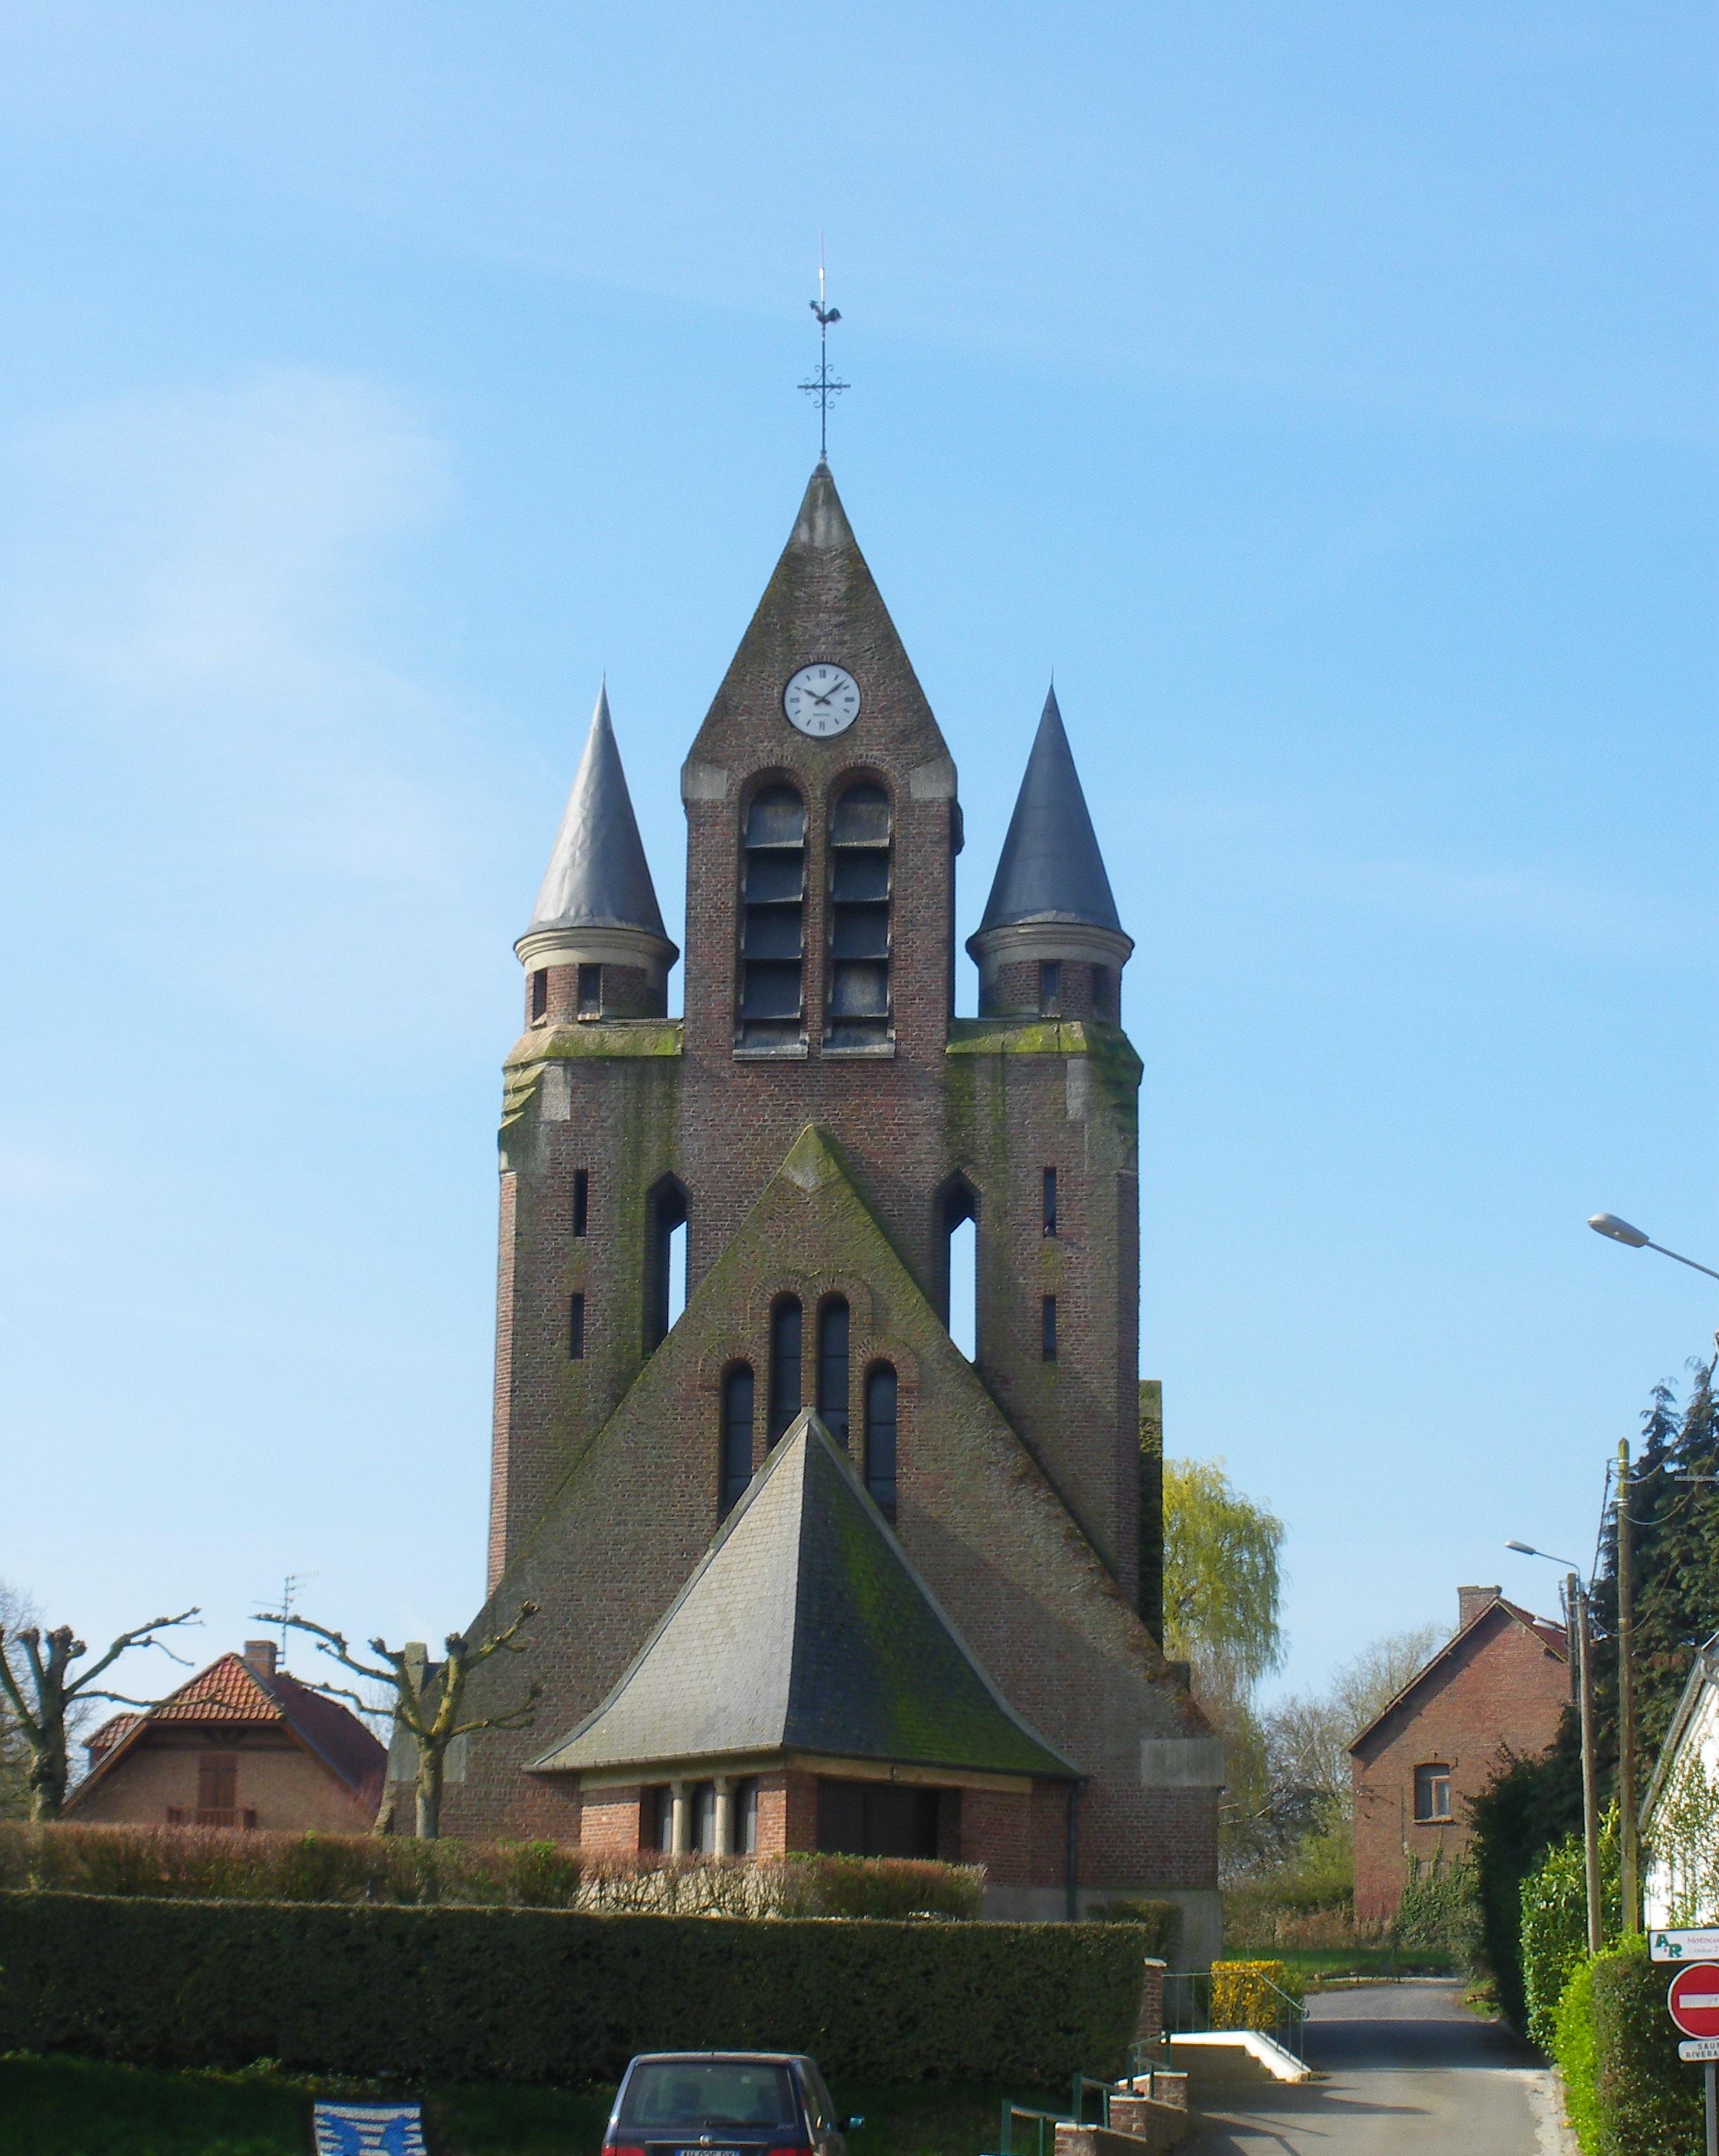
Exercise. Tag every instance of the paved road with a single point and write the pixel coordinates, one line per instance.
(1409, 2074)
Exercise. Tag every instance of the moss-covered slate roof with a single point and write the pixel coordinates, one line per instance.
(805, 1629)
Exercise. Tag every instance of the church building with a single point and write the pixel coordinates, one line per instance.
(809, 1578)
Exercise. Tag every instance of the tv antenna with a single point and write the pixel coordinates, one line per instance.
(824, 385)
(289, 1595)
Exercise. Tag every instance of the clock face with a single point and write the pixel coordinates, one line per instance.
(821, 701)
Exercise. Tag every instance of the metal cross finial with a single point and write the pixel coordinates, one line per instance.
(825, 385)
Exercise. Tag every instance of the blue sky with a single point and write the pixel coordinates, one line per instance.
(1326, 392)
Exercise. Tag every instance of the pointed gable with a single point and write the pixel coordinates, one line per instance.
(821, 603)
(598, 876)
(804, 1628)
(1051, 868)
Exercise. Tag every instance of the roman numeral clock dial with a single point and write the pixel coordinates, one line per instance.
(821, 700)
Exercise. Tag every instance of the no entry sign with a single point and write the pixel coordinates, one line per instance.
(1694, 1998)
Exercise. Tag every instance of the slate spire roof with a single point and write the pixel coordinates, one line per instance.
(597, 875)
(1051, 868)
(804, 1628)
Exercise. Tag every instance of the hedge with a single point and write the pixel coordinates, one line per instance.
(1251, 1994)
(213, 1865)
(1627, 2092)
(1554, 1925)
(553, 1995)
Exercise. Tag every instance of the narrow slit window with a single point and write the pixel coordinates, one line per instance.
(773, 921)
(857, 1014)
(1050, 988)
(833, 1328)
(539, 992)
(591, 992)
(958, 1216)
(1047, 1329)
(665, 1268)
(576, 1329)
(785, 1326)
(737, 1390)
(880, 1438)
(1050, 1201)
(581, 1199)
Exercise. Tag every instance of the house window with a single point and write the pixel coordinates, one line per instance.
(539, 992)
(1047, 1329)
(1050, 1201)
(833, 1366)
(591, 992)
(665, 1260)
(581, 1199)
(784, 1366)
(1050, 988)
(858, 1013)
(737, 1389)
(880, 1819)
(657, 1819)
(576, 1328)
(880, 1438)
(703, 1795)
(217, 1786)
(772, 920)
(1432, 1795)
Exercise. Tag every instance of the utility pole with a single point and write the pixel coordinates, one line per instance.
(1629, 1831)
(1576, 1602)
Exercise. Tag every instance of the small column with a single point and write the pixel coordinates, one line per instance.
(681, 1819)
(724, 1834)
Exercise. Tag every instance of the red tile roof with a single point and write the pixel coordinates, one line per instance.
(229, 1692)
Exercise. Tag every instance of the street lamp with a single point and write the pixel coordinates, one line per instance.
(1576, 1603)
(1620, 1231)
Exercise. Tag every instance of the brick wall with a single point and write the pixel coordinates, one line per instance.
(1499, 1690)
(288, 1789)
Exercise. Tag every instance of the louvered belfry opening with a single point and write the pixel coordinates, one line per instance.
(772, 989)
(857, 1015)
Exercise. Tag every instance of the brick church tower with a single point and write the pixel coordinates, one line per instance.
(809, 1577)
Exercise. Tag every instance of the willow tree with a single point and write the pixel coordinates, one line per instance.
(427, 1699)
(1222, 1576)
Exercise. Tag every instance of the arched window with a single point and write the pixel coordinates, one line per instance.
(665, 1260)
(880, 1438)
(784, 1365)
(958, 1237)
(772, 920)
(833, 1366)
(737, 1390)
(857, 1012)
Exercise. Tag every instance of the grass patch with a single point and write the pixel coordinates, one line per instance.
(1322, 1965)
(65, 2107)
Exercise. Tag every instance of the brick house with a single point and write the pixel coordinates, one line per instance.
(1496, 1689)
(807, 1576)
(242, 1745)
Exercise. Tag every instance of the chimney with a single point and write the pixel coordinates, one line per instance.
(259, 1656)
(1471, 1601)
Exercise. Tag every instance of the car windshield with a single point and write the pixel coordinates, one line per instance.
(707, 2092)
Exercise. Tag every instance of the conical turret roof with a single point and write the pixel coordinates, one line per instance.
(1051, 868)
(597, 875)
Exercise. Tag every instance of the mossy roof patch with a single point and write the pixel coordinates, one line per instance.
(1041, 1036)
(805, 1627)
(616, 1037)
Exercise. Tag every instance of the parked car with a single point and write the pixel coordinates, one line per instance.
(725, 2103)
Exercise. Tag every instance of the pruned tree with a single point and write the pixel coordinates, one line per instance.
(427, 1699)
(43, 1692)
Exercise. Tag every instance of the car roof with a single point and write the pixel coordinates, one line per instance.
(749, 2058)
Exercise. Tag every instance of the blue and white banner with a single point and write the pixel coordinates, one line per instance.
(368, 2129)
